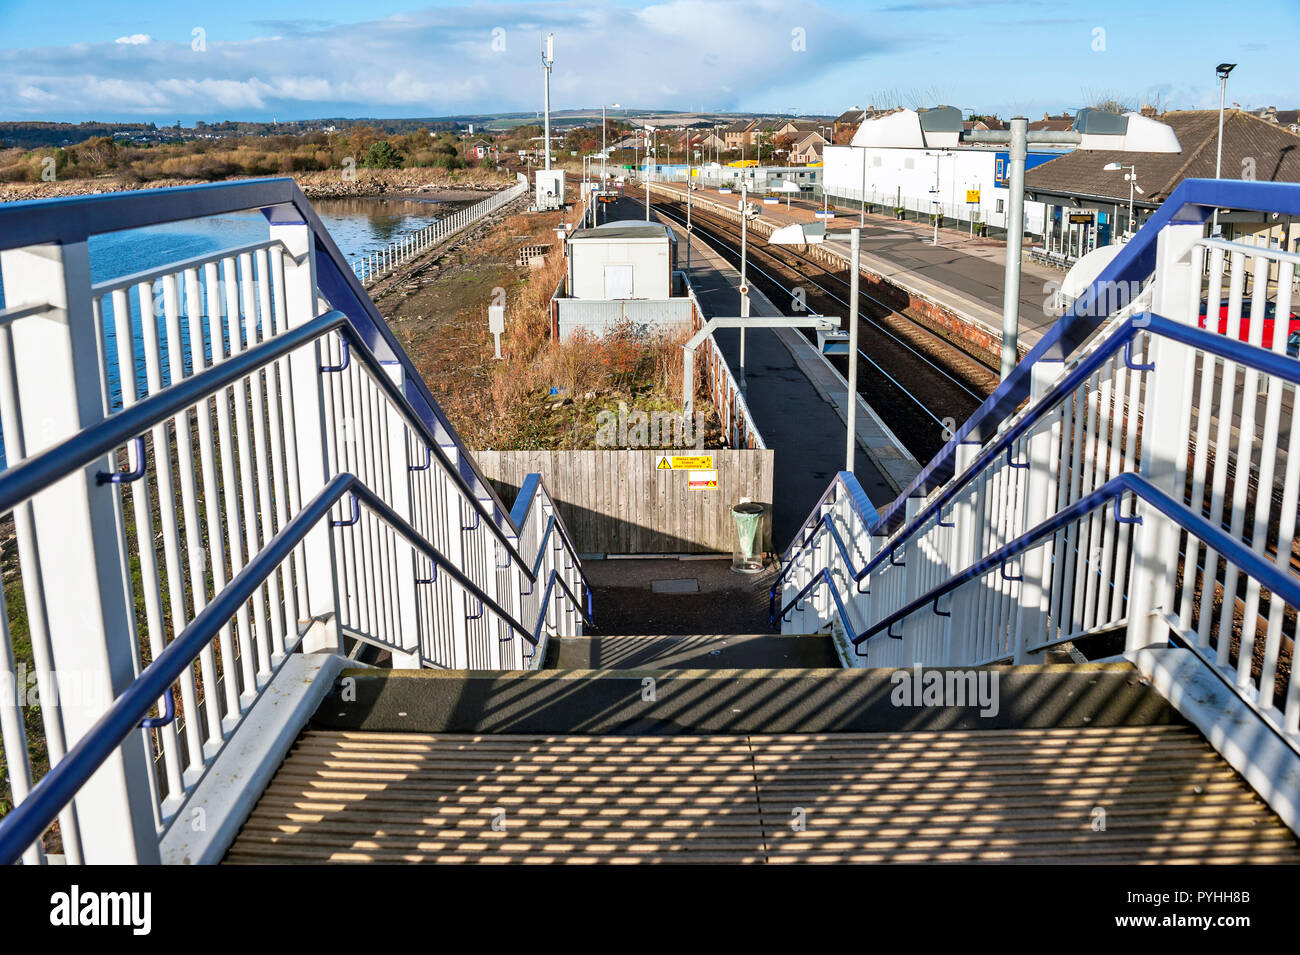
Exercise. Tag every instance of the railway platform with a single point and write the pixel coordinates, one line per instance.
(798, 400)
(962, 274)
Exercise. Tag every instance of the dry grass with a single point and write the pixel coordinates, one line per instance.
(509, 405)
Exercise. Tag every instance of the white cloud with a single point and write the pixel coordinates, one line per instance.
(447, 60)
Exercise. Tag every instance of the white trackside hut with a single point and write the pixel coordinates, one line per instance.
(622, 260)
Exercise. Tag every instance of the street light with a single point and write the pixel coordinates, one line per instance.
(746, 213)
(604, 150)
(1131, 177)
(935, 192)
(1223, 69)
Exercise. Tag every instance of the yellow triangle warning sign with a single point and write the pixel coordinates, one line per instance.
(664, 464)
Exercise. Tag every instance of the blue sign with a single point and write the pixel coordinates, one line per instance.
(1002, 165)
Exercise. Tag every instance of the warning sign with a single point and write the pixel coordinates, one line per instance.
(685, 462)
(972, 195)
(702, 480)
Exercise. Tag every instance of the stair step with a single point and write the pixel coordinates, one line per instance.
(729, 651)
(664, 702)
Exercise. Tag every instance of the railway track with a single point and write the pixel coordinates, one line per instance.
(922, 386)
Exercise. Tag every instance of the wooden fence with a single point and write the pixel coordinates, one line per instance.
(623, 502)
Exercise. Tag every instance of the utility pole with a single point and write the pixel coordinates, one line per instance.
(548, 58)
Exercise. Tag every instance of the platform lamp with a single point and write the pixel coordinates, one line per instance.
(604, 150)
(1222, 70)
(1131, 177)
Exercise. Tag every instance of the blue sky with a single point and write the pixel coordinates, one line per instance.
(238, 59)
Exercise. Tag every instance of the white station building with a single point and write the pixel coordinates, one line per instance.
(915, 160)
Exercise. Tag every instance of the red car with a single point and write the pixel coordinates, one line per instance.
(1270, 320)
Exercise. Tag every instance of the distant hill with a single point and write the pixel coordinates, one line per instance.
(33, 135)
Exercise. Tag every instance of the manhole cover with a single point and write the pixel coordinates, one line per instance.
(680, 585)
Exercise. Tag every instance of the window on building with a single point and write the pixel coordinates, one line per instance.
(1000, 201)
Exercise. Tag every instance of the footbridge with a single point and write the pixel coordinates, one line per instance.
(227, 488)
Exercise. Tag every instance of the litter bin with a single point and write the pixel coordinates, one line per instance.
(747, 537)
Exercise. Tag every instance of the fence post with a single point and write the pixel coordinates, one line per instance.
(963, 541)
(399, 461)
(79, 549)
(309, 416)
(1166, 421)
(1040, 494)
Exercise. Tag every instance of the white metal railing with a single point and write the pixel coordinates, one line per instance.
(371, 265)
(1033, 541)
(162, 432)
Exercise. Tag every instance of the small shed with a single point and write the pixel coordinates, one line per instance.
(627, 259)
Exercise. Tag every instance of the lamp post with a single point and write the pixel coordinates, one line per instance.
(649, 169)
(851, 439)
(604, 151)
(1223, 69)
(1131, 176)
(744, 279)
(548, 59)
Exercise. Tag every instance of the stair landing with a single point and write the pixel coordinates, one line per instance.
(1131, 794)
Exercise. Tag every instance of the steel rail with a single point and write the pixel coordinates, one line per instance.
(869, 319)
(777, 282)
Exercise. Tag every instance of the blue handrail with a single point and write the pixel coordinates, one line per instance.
(776, 584)
(1279, 582)
(847, 482)
(27, 478)
(1268, 362)
(25, 823)
(75, 218)
(1191, 202)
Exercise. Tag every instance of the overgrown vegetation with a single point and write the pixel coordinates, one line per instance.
(546, 394)
(216, 159)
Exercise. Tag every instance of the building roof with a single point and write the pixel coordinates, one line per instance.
(739, 126)
(624, 229)
(1056, 123)
(1250, 144)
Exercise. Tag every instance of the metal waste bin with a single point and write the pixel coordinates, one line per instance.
(747, 537)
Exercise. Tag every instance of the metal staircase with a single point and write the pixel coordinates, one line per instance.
(198, 537)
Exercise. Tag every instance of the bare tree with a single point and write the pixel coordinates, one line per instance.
(1107, 101)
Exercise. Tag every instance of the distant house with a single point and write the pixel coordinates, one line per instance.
(983, 123)
(712, 142)
(1052, 123)
(1288, 119)
(739, 134)
(482, 149)
(807, 149)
